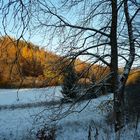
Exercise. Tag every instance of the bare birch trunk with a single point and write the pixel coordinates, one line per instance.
(114, 67)
(118, 84)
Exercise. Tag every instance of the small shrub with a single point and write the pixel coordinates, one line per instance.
(46, 133)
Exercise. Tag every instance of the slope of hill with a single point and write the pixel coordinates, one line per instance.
(23, 64)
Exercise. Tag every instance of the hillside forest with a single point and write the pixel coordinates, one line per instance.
(23, 64)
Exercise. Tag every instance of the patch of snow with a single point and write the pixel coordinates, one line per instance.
(14, 96)
(22, 124)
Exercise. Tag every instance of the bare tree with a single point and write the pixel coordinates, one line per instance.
(104, 32)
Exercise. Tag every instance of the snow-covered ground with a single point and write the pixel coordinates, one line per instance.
(13, 96)
(23, 124)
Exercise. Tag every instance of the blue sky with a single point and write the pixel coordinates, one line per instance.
(14, 29)
(36, 36)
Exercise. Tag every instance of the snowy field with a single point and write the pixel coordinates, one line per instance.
(13, 96)
(72, 122)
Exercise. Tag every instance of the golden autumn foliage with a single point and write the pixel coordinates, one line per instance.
(134, 77)
(23, 64)
(26, 65)
(20, 60)
(82, 68)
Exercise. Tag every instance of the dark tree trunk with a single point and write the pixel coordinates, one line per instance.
(114, 69)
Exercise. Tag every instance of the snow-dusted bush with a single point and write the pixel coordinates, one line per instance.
(46, 133)
(69, 83)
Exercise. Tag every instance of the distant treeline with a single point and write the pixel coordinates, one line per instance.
(26, 65)
(23, 64)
